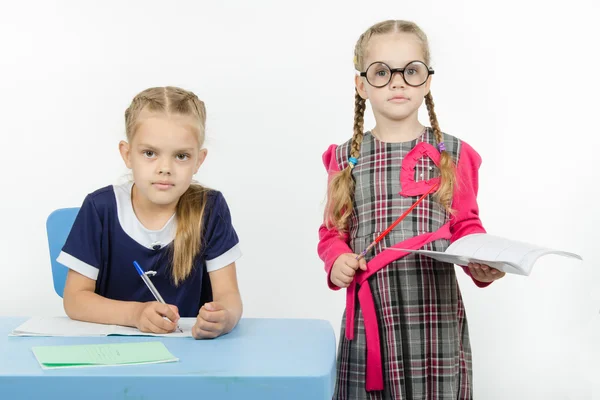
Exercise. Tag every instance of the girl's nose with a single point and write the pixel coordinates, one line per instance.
(397, 81)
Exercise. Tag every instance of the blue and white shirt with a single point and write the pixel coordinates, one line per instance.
(107, 237)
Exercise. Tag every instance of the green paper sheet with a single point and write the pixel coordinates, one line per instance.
(96, 355)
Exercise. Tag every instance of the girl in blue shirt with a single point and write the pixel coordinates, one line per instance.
(169, 225)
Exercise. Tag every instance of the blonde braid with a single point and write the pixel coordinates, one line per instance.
(447, 180)
(360, 105)
(340, 199)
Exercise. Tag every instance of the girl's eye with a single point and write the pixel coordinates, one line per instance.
(182, 157)
(149, 153)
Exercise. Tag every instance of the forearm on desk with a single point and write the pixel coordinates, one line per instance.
(227, 294)
(232, 302)
(88, 306)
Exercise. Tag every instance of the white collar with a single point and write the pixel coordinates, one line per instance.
(132, 225)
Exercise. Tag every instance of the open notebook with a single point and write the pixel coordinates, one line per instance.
(102, 355)
(64, 326)
(507, 255)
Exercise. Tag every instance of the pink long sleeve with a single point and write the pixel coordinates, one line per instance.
(466, 221)
(332, 244)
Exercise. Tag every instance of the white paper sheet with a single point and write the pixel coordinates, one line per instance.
(64, 326)
(507, 255)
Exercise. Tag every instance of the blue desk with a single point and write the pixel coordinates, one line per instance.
(261, 359)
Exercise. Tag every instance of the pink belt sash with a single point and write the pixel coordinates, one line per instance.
(374, 372)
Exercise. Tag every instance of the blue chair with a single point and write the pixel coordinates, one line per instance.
(58, 226)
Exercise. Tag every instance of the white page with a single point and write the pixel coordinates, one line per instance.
(507, 255)
(185, 324)
(492, 248)
(464, 260)
(60, 326)
(64, 326)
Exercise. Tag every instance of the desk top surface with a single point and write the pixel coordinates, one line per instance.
(255, 348)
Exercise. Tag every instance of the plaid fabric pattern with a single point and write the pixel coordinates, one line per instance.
(423, 329)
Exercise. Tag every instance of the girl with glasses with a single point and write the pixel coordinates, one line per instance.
(404, 333)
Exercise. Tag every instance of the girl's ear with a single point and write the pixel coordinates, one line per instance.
(359, 82)
(201, 157)
(428, 84)
(125, 151)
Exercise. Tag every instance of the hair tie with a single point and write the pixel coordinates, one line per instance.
(441, 147)
(352, 161)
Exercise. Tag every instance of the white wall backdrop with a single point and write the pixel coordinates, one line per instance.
(518, 80)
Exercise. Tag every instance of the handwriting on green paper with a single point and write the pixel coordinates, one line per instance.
(102, 354)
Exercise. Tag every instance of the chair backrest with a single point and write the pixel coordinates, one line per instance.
(58, 226)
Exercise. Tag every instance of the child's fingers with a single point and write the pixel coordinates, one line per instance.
(214, 306)
(175, 309)
(162, 323)
(343, 284)
(342, 281)
(157, 324)
(211, 316)
(339, 283)
(489, 272)
(335, 276)
(198, 333)
(476, 271)
(208, 326)
(166, 311)
(162, 316)
(352, 262)
(363, 264)
(348, 271)
(496, 273)
(484, 271)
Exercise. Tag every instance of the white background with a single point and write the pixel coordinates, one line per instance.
(518, 80)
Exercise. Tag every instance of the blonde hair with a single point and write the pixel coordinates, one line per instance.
(191, 205)
(341, 188)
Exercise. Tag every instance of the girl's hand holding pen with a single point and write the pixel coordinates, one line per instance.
(155, 317)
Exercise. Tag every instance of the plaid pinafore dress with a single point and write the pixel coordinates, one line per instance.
(422, 324)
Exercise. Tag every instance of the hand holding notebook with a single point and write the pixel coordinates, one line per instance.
(506, 255)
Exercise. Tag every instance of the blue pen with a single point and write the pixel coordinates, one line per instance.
(148, 282)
